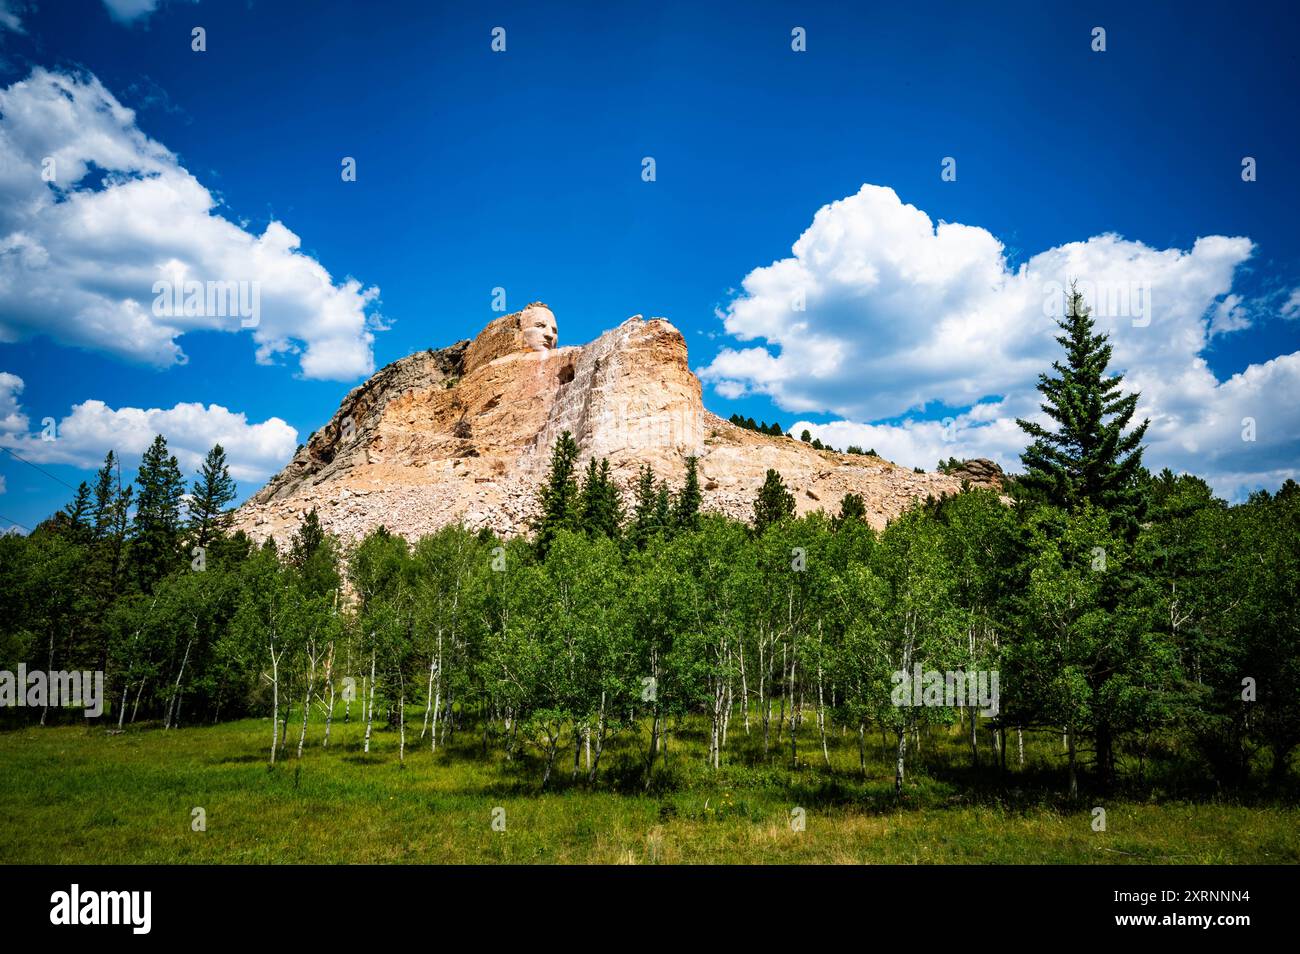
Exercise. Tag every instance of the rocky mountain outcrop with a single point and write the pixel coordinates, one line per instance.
(464, 435)
(978, 472)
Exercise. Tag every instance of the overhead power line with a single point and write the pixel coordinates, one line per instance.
(14, 522)
(17, 456)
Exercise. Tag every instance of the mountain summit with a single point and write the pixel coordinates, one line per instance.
(464, 435)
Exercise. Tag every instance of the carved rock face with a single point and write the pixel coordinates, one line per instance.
(539, 328)
(465, 434)
(532, 330)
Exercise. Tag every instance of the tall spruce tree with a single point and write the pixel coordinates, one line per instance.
(663, 511)
(112, 510)
(77, 516)
(600, 506)
(1088, 458)
(773, 504)
(645, 521)
(687, 512)
(559, 494)
(209, 498)
(314, 553)
(307, 539)
(852, 507)
(156, 528)
(110, 520)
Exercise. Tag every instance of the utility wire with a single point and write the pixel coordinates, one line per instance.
(41, 469)
(14, 522)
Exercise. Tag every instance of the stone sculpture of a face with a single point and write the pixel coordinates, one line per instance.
(539, 329)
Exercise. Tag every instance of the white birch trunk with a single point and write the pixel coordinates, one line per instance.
(401, 729)
(49, 669)
(306, 704)
(329, 680)
(370, 702)
(428, 699)
(744, 687)
(275, 703)
(600, 740)
(171, 704)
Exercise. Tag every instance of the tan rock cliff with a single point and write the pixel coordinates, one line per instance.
(464, 435)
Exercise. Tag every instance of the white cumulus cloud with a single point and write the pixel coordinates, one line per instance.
(92, 428)
(881, 316)
(11, 16)
(81, 253)
(1291, 307)
(128, 11)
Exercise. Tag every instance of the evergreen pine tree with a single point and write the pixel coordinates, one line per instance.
(687, 515)
(663, 512)
(314, 554)
(209, 498)
(600, 505)
(156, 528)
(773, 504)
(77, 515)
(104, 496)
(559, 494)
(611, 510)
(307, 539)
(1088, 458)
(588, 497)
(109, 522)
(806, 436)
(644, 520)
(852, 507)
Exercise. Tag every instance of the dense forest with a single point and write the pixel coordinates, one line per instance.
(1133, 614)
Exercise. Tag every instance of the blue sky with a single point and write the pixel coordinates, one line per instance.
(522, 170)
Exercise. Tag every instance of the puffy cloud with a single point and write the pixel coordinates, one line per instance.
(92, 429)
(882, 315)
(10, 16)
(128, 11)
(1291, 307)
(82, 256)
(12, 418)
(922, 443)
(1229, 315)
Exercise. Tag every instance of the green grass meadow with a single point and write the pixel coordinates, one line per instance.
(72, 794)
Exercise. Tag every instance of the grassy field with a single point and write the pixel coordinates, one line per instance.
(72, 794)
